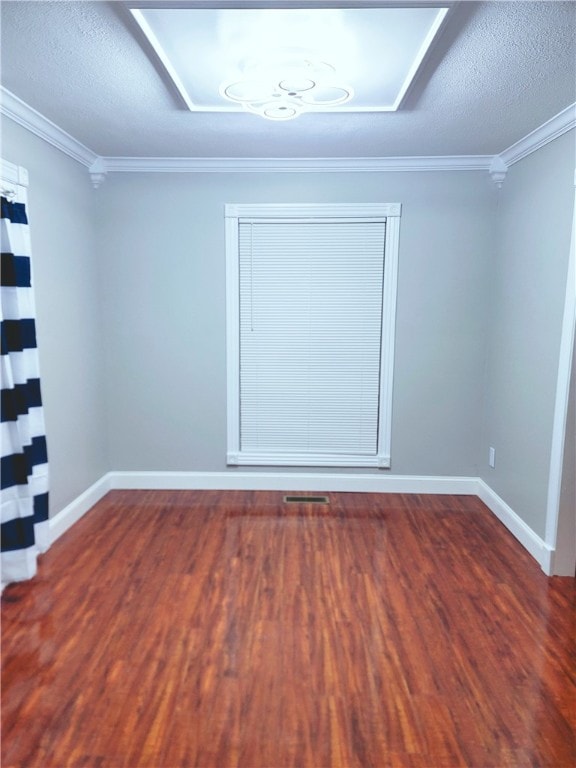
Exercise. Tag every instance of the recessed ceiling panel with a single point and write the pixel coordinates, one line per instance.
(280, 62)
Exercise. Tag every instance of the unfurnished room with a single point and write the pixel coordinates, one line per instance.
(288, 384)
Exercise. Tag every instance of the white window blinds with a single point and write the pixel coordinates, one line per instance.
(310, 318)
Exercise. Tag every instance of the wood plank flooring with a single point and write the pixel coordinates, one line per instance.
(228, 629)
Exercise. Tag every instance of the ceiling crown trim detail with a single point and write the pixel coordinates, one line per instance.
(20, 112)
(36, 123)
(295, 165)
(548, 131)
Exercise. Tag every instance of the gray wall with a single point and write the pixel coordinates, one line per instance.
(162, 257)
(130, 285)
(64, 255)
(533, 228)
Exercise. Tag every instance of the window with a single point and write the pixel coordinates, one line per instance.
(311, 294)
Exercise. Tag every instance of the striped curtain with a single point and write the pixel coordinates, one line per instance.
(24, 491)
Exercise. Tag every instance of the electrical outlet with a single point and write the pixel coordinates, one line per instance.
(492, 457)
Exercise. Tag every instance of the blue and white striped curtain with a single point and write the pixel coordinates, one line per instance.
(24, 493)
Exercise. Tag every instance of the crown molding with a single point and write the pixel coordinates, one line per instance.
(548, 131)
(36, 123)
(99, 167)
(104, 165)
(293, 165)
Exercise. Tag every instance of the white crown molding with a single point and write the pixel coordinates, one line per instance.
(104, 165)
(294, 165)
(548, 131)
(36, 123)
(99, 167)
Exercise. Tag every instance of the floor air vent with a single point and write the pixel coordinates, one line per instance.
(306, 500)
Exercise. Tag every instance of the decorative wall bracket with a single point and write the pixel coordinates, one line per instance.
(97, 171)
(498, 170)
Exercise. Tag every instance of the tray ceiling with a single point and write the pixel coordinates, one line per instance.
(315, 59)
(495, 72)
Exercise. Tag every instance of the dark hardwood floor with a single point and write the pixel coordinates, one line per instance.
(220, 629)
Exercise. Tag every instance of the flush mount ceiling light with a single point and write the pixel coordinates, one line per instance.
(281, 62)
(285, 86)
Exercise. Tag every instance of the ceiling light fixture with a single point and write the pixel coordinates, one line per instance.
(285, 87)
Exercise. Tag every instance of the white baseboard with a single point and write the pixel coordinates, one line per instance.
(66, 518)
(536, 546)
(307, 481)
(293, 481)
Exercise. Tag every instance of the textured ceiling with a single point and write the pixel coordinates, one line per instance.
(498, 71)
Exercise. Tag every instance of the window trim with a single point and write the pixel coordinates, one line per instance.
(233, 212)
